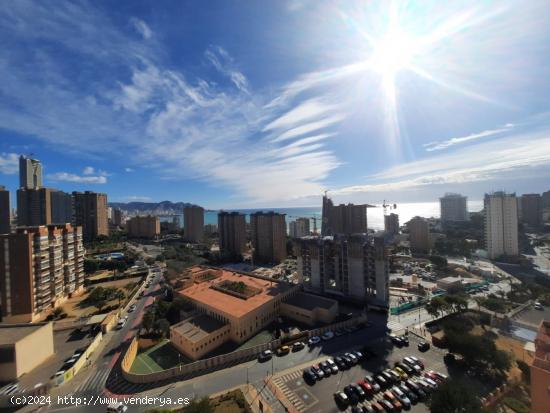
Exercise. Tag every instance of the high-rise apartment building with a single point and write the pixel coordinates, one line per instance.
(39, 267)
(419, 235)
(143, 227)
(531, 210)
(299, 228)
(268, 237)
(34, 207)
(546, 199)
(232, 231)
(391, 224)
(343, 219)
(453, 208)
(5, 215)
(90, 212)
(30, 173)
(117, 217)
(61, 207)
(353, 267)
(540, 370)
(193, 223)
(501, 224)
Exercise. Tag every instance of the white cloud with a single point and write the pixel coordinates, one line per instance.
(9, 163)
(223, 62)
(136, 198)
(88, 170)
(480, 162)
(311, 108)
(68, 177)
(309, 127)
(439, 145)
(128, 170)
(142, 28)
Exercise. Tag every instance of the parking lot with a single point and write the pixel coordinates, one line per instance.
(319, 397)
(533, 316)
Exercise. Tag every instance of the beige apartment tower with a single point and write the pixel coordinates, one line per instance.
(268, 237)
(232, 230)
(90, 212)
(299, 228)
(419, 235)
(143, 226)
(391, 224)
(39, 267)
(501, 224)
(193, 223)
(343, 219)
(453, 208)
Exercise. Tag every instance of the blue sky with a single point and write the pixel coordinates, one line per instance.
(269, 103)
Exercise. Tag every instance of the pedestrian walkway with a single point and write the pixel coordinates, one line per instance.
(395, 326)
(281, 383)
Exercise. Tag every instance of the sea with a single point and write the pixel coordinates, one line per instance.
(375, 215)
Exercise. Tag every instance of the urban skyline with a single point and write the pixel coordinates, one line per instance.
(342, 97)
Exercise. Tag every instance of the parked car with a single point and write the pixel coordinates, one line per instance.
(318, 372)
(340, 362)
(359, 391)
(423, 346)
(356, 409)
(350, 392)
(412, 365)
(309, 376)
(402, 397)
(417, 361)
(326, 368)
(402, 374)
(366, 386)
(395, 378)
(378, 408)
(416, 388)
(283, 351)
(265, 355)
(358, 355)
(409, 393)
(314, 340)
(328, 335)
(341, 398)
(373, 383)
(381, 380)
(351, 357)
(116, 407)
(132, 308)
(431, 382)
(333, 366)
(405, 367)
(298, 346)
(121, 323)
(368, 408)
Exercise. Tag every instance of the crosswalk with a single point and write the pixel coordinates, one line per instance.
(95, 382)
(395, 326)
(289, 394)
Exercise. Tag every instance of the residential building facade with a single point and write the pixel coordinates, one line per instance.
(353, 267)
(90, 212)
(391, 224)
(540, 370)
(193, 223)
(61, 207)
(232, 232)
(299, 228)
(30, 173)
(501, 224)
(419, 235)
(531, 210)
(268, 237)
(34, 207)
(143, 226)
(5, 208)
(453, 208)
(343, 219)
(39, 268)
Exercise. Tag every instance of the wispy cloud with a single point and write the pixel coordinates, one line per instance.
(135, 198)
(142, 28)
(88, 170)
(309, 127)
(480, 162)
(128, 170)
(9, 163)
(224, 63)
(68, 177)
(439, 145)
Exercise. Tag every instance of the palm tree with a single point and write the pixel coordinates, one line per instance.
(119, 295)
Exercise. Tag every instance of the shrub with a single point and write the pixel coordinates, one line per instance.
(516, 405)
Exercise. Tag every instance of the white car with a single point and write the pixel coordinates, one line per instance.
(329, 335)
(121, 323)
(117, 407)
(314, 340)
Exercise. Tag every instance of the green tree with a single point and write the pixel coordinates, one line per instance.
(162, 326)
(439, 261)
(119, 295)
(90, 266)
(455, 397)
(148, 321)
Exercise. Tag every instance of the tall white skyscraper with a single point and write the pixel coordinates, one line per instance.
(501, 224)
(453, 208)
(30, 173)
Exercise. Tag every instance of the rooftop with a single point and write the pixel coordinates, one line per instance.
(310, 301)
(202, 292)
(10, 334)
(198, 327)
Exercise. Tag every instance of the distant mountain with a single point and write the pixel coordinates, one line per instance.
(158, 208)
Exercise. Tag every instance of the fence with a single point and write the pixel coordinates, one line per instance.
(213, 363)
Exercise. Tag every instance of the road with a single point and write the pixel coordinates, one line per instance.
(91, 381)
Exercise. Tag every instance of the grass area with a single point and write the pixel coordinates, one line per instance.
(232, 402)
(160, 357)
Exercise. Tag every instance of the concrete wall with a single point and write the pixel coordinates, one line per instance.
(310, 317)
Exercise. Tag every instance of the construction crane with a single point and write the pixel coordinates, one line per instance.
(387, 207)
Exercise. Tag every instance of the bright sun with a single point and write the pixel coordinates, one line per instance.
(392, 52)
